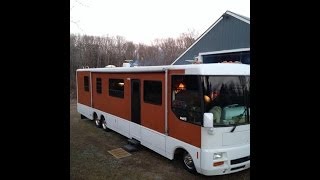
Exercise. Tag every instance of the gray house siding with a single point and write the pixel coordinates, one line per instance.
(229, 33)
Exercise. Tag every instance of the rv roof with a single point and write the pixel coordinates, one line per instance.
(195, 69)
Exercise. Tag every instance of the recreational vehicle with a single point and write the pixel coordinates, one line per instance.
(200, 112)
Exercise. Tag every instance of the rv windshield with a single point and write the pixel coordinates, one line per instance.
(228, 99)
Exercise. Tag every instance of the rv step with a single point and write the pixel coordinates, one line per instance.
(134, 142)
(130, 148)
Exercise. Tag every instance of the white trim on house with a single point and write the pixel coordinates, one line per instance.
(224, 51)
(238, 17)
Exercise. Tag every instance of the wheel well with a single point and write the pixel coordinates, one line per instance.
(95, 115)
(178, 153)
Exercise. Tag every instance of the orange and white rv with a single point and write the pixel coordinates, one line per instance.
(198, 111)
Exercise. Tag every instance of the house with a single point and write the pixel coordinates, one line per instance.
(228, 39)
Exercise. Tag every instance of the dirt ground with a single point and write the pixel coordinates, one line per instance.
(89, 157)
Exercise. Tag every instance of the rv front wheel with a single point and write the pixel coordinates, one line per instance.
(188, 162)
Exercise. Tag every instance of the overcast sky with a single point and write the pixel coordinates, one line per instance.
(142, 21)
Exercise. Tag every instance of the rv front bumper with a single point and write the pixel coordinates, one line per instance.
(233, 160)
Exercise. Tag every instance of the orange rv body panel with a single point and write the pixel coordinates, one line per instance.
(84, 97)
(178, 128)
(152, 116)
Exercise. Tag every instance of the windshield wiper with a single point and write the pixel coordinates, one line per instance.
(246, 105)
(239, 117)
(234, 127)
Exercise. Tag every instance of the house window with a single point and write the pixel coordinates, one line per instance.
(152, 92)
(98, 86)
(86, 83)
(116, 88)
(242, 57)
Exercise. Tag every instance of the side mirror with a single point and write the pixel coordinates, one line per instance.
(208, 120)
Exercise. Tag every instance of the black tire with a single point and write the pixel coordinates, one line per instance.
(94, 117)
(97, 122)
(188, 163)
(104, 124)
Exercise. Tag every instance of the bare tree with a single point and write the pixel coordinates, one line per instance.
(94, 51)
(73, 5)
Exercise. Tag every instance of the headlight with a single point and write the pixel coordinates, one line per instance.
(217, 155)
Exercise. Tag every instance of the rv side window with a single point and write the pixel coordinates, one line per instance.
(152, 92)
(116, 88)
(186, 101)
(98, 85)
(86, 83)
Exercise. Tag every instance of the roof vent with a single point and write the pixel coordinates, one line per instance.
(126, 65)
(110, 66)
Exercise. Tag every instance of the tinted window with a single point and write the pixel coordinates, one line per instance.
(116, 88)
(186, 98)
(86, 83)
(152, 92)
(98, 85)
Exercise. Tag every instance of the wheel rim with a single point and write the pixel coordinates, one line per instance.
(188, 161)
(97, 122)
(104, 124)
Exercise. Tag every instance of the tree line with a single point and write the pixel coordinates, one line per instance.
(96, 51)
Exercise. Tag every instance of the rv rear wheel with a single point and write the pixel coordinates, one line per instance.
(98, 122)
(104, 124)
(188, 162)
(95, 116)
